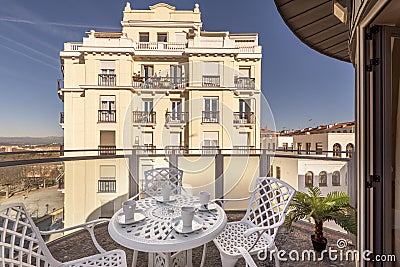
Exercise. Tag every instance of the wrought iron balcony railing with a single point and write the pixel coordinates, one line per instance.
(107, 116)
(244, 83)
(176, 150)
(207, 150)
(107, 79)
(144, 117)
(210, 116)
(107, 150)
(159, 82)
(145, 149)
(243, 149)
(61, 117)
(107, 186)
(211, 81)
(176, 117)
(244, 118)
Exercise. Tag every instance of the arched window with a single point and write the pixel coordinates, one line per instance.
(336, 178)
(309, 177)
(349, 150)
(323, 178)
(337, 148)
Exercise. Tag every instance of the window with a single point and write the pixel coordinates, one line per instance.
(210, 142)
(299, 147)
(107, 143)
(245, 71)
(147, 71)
(106, 111)
(211, 74)
(336, 178)
(308, 148)
(349, 150)
(210, 113)
(318, 148)
(309, 179)
(285, 146)
(107, 182)
(162, 37)
(147, 105)
(144, 37)
(147, 138)
(107, 75)
(337, 148)
(323, 179)
(176, 110)
(271, 171)
(278, 172)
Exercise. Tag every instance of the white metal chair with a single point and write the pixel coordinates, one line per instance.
(247, 257)
(21, 243)
(257, 230)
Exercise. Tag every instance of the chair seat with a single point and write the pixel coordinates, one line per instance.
(233, 237)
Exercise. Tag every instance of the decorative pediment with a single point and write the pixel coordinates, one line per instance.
(162, 5)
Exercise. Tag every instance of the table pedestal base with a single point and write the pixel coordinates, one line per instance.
(176, 259)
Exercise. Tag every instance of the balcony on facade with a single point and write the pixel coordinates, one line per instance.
(176, 119)
(144, 118)
(158, 84)
(210, 117)
(107, 186)
(107, 116)
(168, 46)
(244, 150)
(244, 85)
(209, 150)
(107, 150)
(244, 119)
(176, 150)
(62, 119)
(145, 149)
(211, 81)
(107, 79)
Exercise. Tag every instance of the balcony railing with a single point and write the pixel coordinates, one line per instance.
(160, 46)
(143, 117)
(210, 116)
(107, 186)
(145, 149)
(107, 79)
(244, 83)
(107, 116)
(211, 81)
(60, 84)
(159, 82)
(243, 150)
(244, 118)
(209, 150)
(61, 117)
(176, 150)
(107, 150)
(176, 117)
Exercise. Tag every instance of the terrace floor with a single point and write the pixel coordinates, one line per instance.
(67, 248)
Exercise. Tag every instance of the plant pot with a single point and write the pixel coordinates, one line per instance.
(318, 245)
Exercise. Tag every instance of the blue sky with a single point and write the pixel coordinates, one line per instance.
(302, 87)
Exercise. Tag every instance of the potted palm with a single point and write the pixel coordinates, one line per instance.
(312, 205)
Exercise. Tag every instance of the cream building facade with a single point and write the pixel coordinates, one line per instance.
(161, 83)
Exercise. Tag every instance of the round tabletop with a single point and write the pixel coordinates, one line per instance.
(156, 232)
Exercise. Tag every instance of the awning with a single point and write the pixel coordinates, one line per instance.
(314, 23)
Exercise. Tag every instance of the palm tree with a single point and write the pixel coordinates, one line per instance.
(334, 207)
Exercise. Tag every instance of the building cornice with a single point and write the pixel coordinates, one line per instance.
(165, 24)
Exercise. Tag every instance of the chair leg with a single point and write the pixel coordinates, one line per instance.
(203, 257)
(134, 258)
(228, 261)
(276, 258)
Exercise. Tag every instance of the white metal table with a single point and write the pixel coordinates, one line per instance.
(156, 236)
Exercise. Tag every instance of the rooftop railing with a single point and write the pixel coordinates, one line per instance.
(160, 46)
(158, 82)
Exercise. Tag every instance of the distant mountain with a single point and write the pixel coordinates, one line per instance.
(31, 140)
